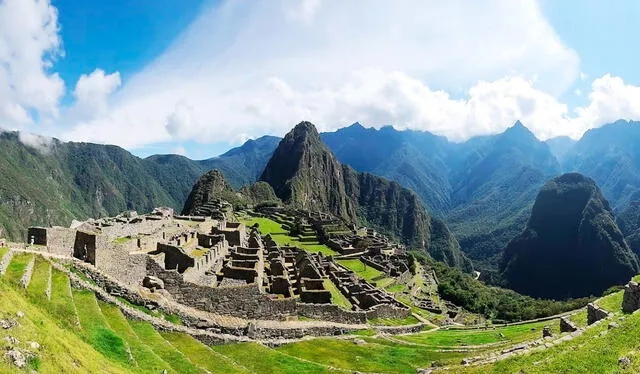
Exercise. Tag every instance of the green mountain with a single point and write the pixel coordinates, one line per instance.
(64, 181)
(483, 188)
(611, 156)
(494, 189)
(571, 246)
(304, 173)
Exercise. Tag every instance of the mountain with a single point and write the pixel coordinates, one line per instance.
(494, 188)
(571, 246)
(611, 156)
(58, 182)
(241, 165)
(559, 146)
(305, 173)
(210, 186)
(415, 159)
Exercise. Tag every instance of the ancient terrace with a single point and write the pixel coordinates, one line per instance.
(217, 267)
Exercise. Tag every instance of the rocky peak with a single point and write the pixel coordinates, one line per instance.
(571, 246)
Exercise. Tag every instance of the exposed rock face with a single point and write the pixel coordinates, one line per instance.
(305, 174)
(571, 246)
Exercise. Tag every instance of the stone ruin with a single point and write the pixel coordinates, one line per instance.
(215, 266)
(566, 325)
(595, 313)
(631, 297)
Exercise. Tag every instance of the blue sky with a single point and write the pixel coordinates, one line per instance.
(199, 76)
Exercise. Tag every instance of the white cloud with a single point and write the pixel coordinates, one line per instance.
(92, 94)
(610, 99)
(179, 150)
(29, 45)
(210, 85)
(40, 143)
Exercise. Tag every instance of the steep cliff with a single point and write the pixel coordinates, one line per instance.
(571, 246)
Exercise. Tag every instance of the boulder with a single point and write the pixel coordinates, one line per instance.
(17, 358)
(546, 332)
(152, 282)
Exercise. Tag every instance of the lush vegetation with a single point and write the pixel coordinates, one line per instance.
(493, 302)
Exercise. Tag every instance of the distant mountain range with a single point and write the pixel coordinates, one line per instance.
(483, 188)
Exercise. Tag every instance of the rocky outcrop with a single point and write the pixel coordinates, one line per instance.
(571, 246)
(305, 174)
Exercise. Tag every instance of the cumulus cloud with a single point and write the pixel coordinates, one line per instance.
(252, 67)
(29, 45)
(92, 93)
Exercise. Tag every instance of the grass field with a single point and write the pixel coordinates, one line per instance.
(282, 237)
(336, 296)
(367, 272)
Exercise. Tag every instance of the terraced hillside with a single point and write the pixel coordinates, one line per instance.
(55, 328)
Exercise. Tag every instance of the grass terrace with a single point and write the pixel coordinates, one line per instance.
(281, 236)
(336, 296)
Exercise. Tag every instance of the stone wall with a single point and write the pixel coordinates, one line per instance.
(245, 301)
(175, 257)
(59, 240)
(595, 313)
(333, 313)
(116, 260)
(121, 230)
(631, 298)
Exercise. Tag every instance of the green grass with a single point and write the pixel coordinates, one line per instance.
(146, 360)
(173, 318)
(611, 303)
(147, 334)
(411, 320)
(39, 279)
(202, 355)
(61, 302)
(122, 240)
(588, 353)
(362, 270)
(282, 237)
(16, 267)
(336, 296)
(261, 359)
(464, 337)
(377, 355)
(396, 288)
(62, 351)
(3, 251)
(95, 329)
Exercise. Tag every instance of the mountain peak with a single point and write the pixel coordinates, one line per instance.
(574, 241)
(305, 128)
